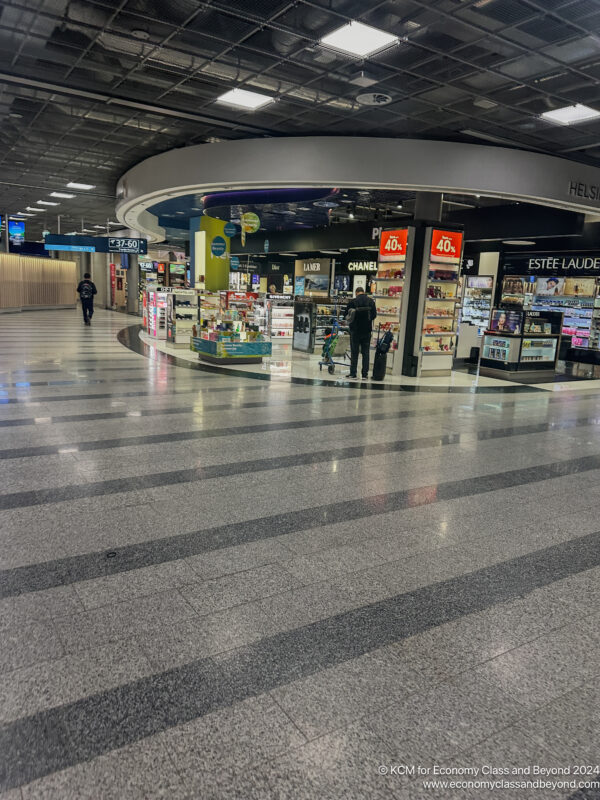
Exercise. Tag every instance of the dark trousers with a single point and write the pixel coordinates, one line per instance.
(360, 342)
(87, 307)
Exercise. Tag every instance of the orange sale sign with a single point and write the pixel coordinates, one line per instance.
(446, 245)
(392, 245)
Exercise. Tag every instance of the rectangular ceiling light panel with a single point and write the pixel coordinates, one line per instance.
(570, 115)
(359, 39)
(242, 98)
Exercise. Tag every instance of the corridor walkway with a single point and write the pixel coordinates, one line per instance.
(219, 587)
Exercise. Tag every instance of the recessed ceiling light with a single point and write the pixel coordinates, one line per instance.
(571, 114)
(304, 208)
(31, 208)
(83, 186)
(102, 227)
(242, 98)
(46, 203)
(63, 194)
(14, 115)
(20, 216)
(140, 33)
(180, 212)
(398, 206)
(87, 230)
(520, 242)
(19, 163)
(350, 215)
(23, 214)
(358, 39)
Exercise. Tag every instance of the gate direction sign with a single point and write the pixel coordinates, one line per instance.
(125, 245)
(96, 244)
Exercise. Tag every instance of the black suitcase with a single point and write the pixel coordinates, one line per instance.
(379, 365)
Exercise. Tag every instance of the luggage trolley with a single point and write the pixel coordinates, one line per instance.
(336, 342)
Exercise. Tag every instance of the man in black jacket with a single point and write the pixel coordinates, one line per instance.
(87, 290)
(361, 312)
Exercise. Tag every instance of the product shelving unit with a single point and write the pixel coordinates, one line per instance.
(595, 327)
(388, 291)
(532, 347)
(477, 300)
(577, 320)
(260, 314)
(182, 316)
(281, 318)
(440, 317)
(156, 309)
(210, 309)
(325, 313)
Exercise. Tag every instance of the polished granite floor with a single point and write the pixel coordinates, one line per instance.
(221, 587)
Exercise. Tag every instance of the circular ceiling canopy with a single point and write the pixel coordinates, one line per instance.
(268, 164)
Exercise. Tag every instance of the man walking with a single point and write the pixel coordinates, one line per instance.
(87, 290)
(360, 312)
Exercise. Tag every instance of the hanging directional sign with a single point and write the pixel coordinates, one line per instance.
(125, 245)
(96, 244)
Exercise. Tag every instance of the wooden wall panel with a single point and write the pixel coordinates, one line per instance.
(29, 282)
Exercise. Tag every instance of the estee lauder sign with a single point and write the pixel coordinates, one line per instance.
(588, 191)
(564, 264)
(543, 263)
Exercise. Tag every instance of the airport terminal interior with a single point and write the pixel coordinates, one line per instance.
(299, 400)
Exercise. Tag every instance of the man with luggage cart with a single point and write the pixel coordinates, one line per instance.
(360, 313)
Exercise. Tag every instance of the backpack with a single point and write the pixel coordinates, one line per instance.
(86, 292)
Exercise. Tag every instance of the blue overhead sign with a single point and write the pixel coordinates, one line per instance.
(95, 244)
(71, 248)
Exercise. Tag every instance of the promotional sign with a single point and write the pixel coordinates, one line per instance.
(550, 287)
(446, 246)
(218, 246)
(266, 246)
(480, 282)
(393, 244)
(579, 287)
(113, 283)
(506, 321)
(275, 284)
(299, 285)
(250, 222)
(234, 262)
(230, 229)
(16, 231)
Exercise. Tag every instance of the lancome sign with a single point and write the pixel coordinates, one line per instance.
(583, 263)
